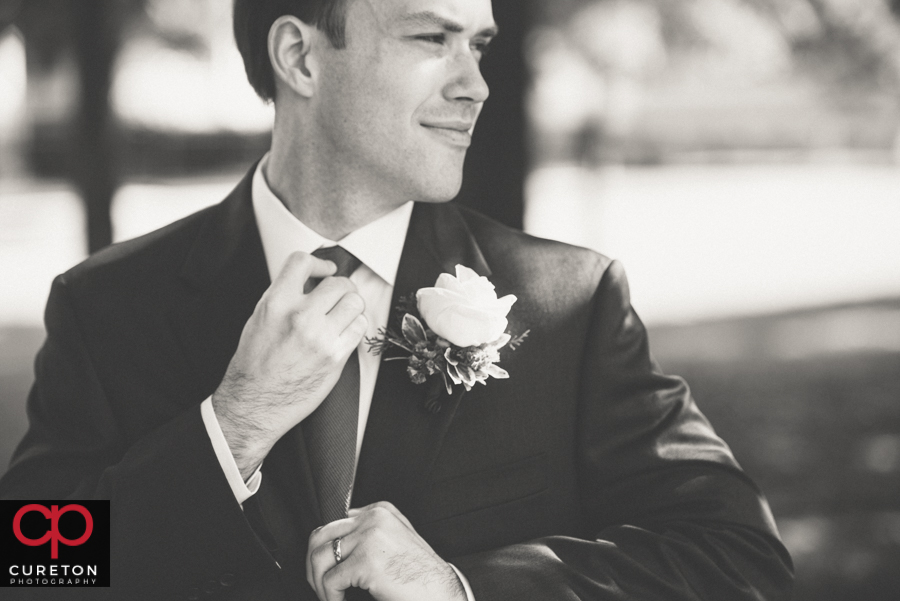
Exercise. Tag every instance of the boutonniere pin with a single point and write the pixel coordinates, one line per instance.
(454, 330)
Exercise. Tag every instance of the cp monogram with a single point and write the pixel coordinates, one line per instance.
(53, 534)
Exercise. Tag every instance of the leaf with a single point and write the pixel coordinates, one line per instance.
(514, 344)
(453, 372)
(448, 356)
(447, 384)
(500, 342)
(407, 304)
(496, 372)
(413, 330)
(467, 375)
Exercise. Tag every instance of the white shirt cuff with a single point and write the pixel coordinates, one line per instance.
(242, 490)
(465, 583)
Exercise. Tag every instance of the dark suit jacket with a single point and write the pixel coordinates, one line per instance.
(586, 475)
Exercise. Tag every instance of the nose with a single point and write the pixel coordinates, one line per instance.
(466, 82)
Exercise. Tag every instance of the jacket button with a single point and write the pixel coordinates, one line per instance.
(227, 580)
(193, 594)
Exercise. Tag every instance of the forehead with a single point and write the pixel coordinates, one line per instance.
(474, 15)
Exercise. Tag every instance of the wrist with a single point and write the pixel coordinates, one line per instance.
(249, 444)
(464, 590)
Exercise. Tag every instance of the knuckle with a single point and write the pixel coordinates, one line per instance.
(320, 554)
(326, 284)
(330, 579)
(360, 324)
(345, 284)
(380, 513)
(356, 302)
(314, 537)
(298, 321)
(337, 355)
(269, 303)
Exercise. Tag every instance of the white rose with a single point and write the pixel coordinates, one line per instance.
(464, 309)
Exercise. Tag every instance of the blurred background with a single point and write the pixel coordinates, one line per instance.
(740, 157)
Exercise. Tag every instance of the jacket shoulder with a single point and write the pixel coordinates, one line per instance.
(141, 261)
(532, 257)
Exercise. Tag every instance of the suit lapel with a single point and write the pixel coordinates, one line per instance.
(402, 438)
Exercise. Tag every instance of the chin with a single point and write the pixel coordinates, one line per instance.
(439, 190)
(441, 182)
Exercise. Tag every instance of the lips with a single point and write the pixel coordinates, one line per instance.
(458, 133)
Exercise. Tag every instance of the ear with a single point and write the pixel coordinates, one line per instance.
(290, 42)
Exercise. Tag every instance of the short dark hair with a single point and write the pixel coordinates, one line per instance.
(254, 18)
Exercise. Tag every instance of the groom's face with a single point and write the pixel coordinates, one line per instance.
(398, 104)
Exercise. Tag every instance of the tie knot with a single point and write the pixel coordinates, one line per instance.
(344, 259)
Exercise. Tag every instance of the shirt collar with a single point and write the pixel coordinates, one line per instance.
(378, 244)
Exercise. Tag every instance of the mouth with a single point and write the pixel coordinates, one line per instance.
(458, 133)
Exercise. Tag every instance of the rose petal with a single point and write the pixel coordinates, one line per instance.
(464, 309)
(446, 281)
(462, 328)
(464, 274)
(508, 301)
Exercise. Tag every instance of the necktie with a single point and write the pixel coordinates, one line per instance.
(330, 430)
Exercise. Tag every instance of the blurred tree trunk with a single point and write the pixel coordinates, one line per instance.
(88, 32)
(497, 162)
(95, 40)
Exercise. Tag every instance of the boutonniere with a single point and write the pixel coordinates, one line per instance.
(454, 330)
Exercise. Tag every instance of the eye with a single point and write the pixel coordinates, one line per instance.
(434, 38)
(482, 48)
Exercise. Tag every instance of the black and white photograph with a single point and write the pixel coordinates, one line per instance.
(450, 300)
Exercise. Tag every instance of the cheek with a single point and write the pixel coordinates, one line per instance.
(367, 106)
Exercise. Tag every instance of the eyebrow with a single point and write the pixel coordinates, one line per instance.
(429, 18)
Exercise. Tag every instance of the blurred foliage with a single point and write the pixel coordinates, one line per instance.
(848, 43)
(656, 81)
(845, 43)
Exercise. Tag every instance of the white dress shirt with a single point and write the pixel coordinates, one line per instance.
(378, 245)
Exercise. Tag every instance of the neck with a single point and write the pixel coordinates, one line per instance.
(321, 192)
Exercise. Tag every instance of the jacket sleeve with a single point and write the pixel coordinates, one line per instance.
(176, 528)
(671, 515)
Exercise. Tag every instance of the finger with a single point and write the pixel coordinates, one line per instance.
(383, 505)
(328, 293)
(323, 559)
(319, 560)
(349, 307)
(332, 530)
(354, 332)
(298, 268)
(322, 537)
(338, 579)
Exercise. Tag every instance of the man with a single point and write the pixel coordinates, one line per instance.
(199, 377)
